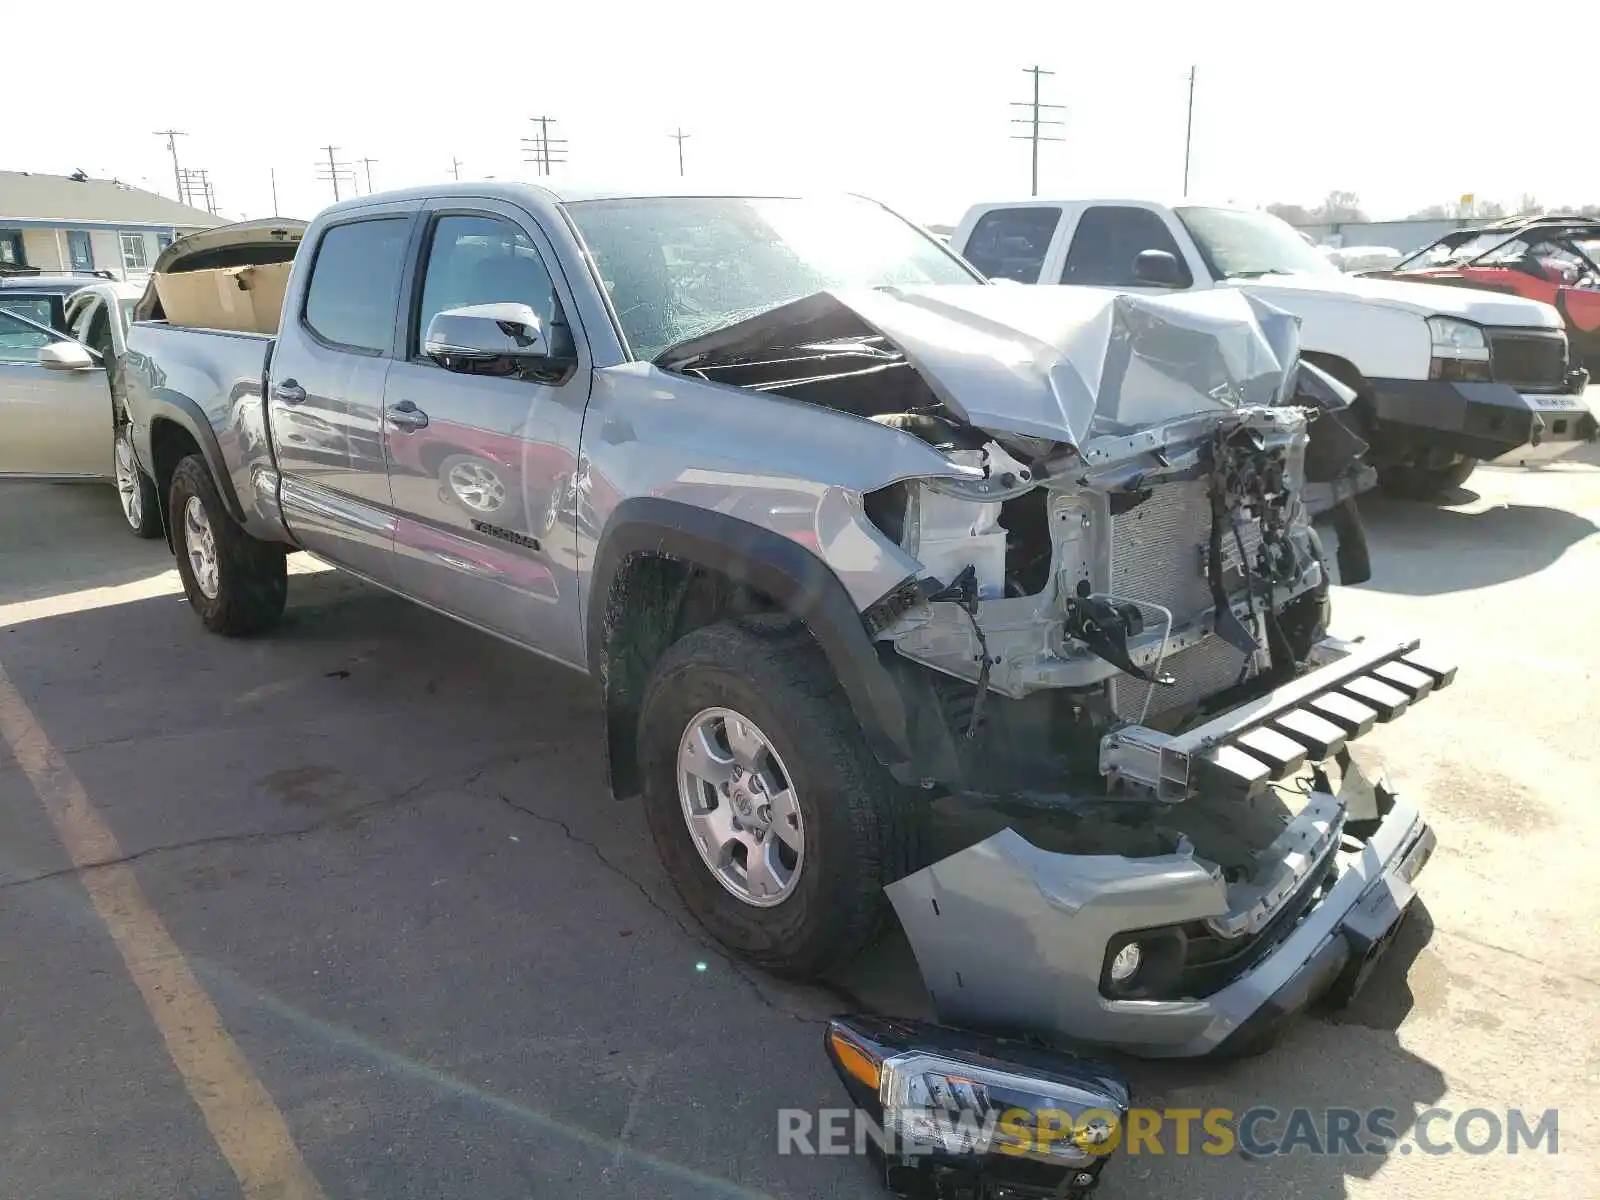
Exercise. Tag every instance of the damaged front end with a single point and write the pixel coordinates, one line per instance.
(1120, 607)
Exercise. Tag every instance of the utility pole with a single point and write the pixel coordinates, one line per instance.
(273, 171)
(1188, 135)
(1034, 121)
(367, 163)
(679, 136)
(333, 171)
(455, 167)
(172, 136)
(542, 145)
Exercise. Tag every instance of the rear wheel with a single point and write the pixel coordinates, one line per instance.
(134, 489)
(776, 825)
(237, 584)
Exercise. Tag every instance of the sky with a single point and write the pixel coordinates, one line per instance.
(906, 102)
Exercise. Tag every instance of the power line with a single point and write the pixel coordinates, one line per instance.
(1188, 135)
(333, 171)
(678, 137)
(1035, 121)
(543, 147)
(172, 136)
(194, 188)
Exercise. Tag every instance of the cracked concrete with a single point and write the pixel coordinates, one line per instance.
(455, 963)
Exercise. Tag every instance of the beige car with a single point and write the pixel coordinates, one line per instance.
(61, 410)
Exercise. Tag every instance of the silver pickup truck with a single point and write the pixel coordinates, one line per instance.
(1000, 602)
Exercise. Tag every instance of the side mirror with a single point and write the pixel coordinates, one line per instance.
(464, 338)
(1158, 268)
(66, 356)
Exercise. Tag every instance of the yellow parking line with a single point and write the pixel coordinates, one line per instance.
(246, 1124)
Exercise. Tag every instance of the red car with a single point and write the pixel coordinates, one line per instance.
(1553, 259)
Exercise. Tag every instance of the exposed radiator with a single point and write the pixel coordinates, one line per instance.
(1158, 554)
(1201, 670)
(1157, 549)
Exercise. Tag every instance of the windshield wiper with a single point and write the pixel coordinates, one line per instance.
(1258, 274)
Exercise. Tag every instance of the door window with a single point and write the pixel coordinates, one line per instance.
(355, 280)
(79, 250)
(1010, 243)
(11, 252)
(19, 341)
(1107, 241)
(485, 260)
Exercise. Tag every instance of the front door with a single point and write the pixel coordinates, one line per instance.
(478, 462)
(325, 395)
(52, 423)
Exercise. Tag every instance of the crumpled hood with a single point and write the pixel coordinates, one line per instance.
(1063, 364)
(1424, 299)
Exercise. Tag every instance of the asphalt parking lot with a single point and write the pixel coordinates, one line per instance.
(421, 953)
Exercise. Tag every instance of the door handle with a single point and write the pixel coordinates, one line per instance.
(407, 416)
(289, 392)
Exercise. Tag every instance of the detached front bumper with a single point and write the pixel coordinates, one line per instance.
(1483, 420)
(1013, 938)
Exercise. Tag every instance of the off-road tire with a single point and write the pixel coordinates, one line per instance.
(252, 575)
(1410, 482)
(861, 825)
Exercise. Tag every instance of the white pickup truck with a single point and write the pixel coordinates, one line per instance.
(1445, 376)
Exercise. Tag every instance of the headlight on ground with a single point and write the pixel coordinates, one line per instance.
(955, 1104)
(1460, 351)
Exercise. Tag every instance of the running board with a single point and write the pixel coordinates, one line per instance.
(1306, 720)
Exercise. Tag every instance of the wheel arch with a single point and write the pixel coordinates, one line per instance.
(664, 568)
(177, 429)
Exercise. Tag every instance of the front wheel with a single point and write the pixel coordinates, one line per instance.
(140, 507)
(774, 822)
(1412, 481)
(237, 584)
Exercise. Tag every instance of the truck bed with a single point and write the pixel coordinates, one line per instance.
(216, 378)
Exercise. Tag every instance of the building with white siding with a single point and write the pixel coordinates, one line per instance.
(74, 223)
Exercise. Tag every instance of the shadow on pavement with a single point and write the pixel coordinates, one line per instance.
(67, 537)
(1424, 550)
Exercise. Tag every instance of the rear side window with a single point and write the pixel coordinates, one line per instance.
(1010, 243)
(34, 308)
(1108, 239)
(355, 283)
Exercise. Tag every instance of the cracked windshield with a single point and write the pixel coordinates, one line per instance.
(679, 267)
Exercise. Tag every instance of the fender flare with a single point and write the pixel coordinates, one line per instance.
(773, 565)
(165, 405)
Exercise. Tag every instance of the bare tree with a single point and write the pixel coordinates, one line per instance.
(1339, 207)
(1295, 214)
(1434, 212)
(1529, 205)
(1491, 209)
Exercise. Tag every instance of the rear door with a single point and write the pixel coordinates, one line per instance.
(325, 394)
(1013, 242)
(52, 423)
(478, 462)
